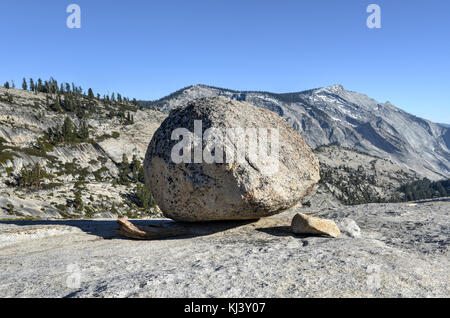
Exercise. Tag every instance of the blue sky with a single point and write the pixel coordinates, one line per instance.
(147, 49)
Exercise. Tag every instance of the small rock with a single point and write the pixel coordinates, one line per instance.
(304, 224)
(349, 228)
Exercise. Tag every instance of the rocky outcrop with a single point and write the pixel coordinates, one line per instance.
(272, 173)
(24, 121)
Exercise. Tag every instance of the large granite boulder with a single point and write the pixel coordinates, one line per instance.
(198, 169)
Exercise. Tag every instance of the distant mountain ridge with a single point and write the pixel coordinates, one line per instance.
(335, 116)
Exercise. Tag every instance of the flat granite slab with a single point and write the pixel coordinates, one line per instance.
(403, 251)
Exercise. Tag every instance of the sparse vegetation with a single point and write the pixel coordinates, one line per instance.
(352, 186)
(78, 202)
(144, 197)
(114, 135)
(68, 133)
(11, 209)
(32, 177)
(130, 172)
(5, 156)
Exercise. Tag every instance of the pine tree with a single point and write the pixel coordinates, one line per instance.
(24, 85)
(39, 85)
(114, 209)
(6, 85)
(36, 175)
(46, 87)
(125, 160)
(90, 93)
(144, 197)
(124, 170)
(136, 168)
(78, 202)
(32, 88)
(24, 178)
(83, 131)
(57, 105)
(67, 130)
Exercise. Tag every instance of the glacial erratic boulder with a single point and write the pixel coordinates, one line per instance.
(222, 159)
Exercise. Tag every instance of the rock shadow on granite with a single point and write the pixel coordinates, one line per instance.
(285, 231)
(106, 229)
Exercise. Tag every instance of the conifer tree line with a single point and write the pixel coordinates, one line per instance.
(426, 189)
(51, 86)
(65, 97)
